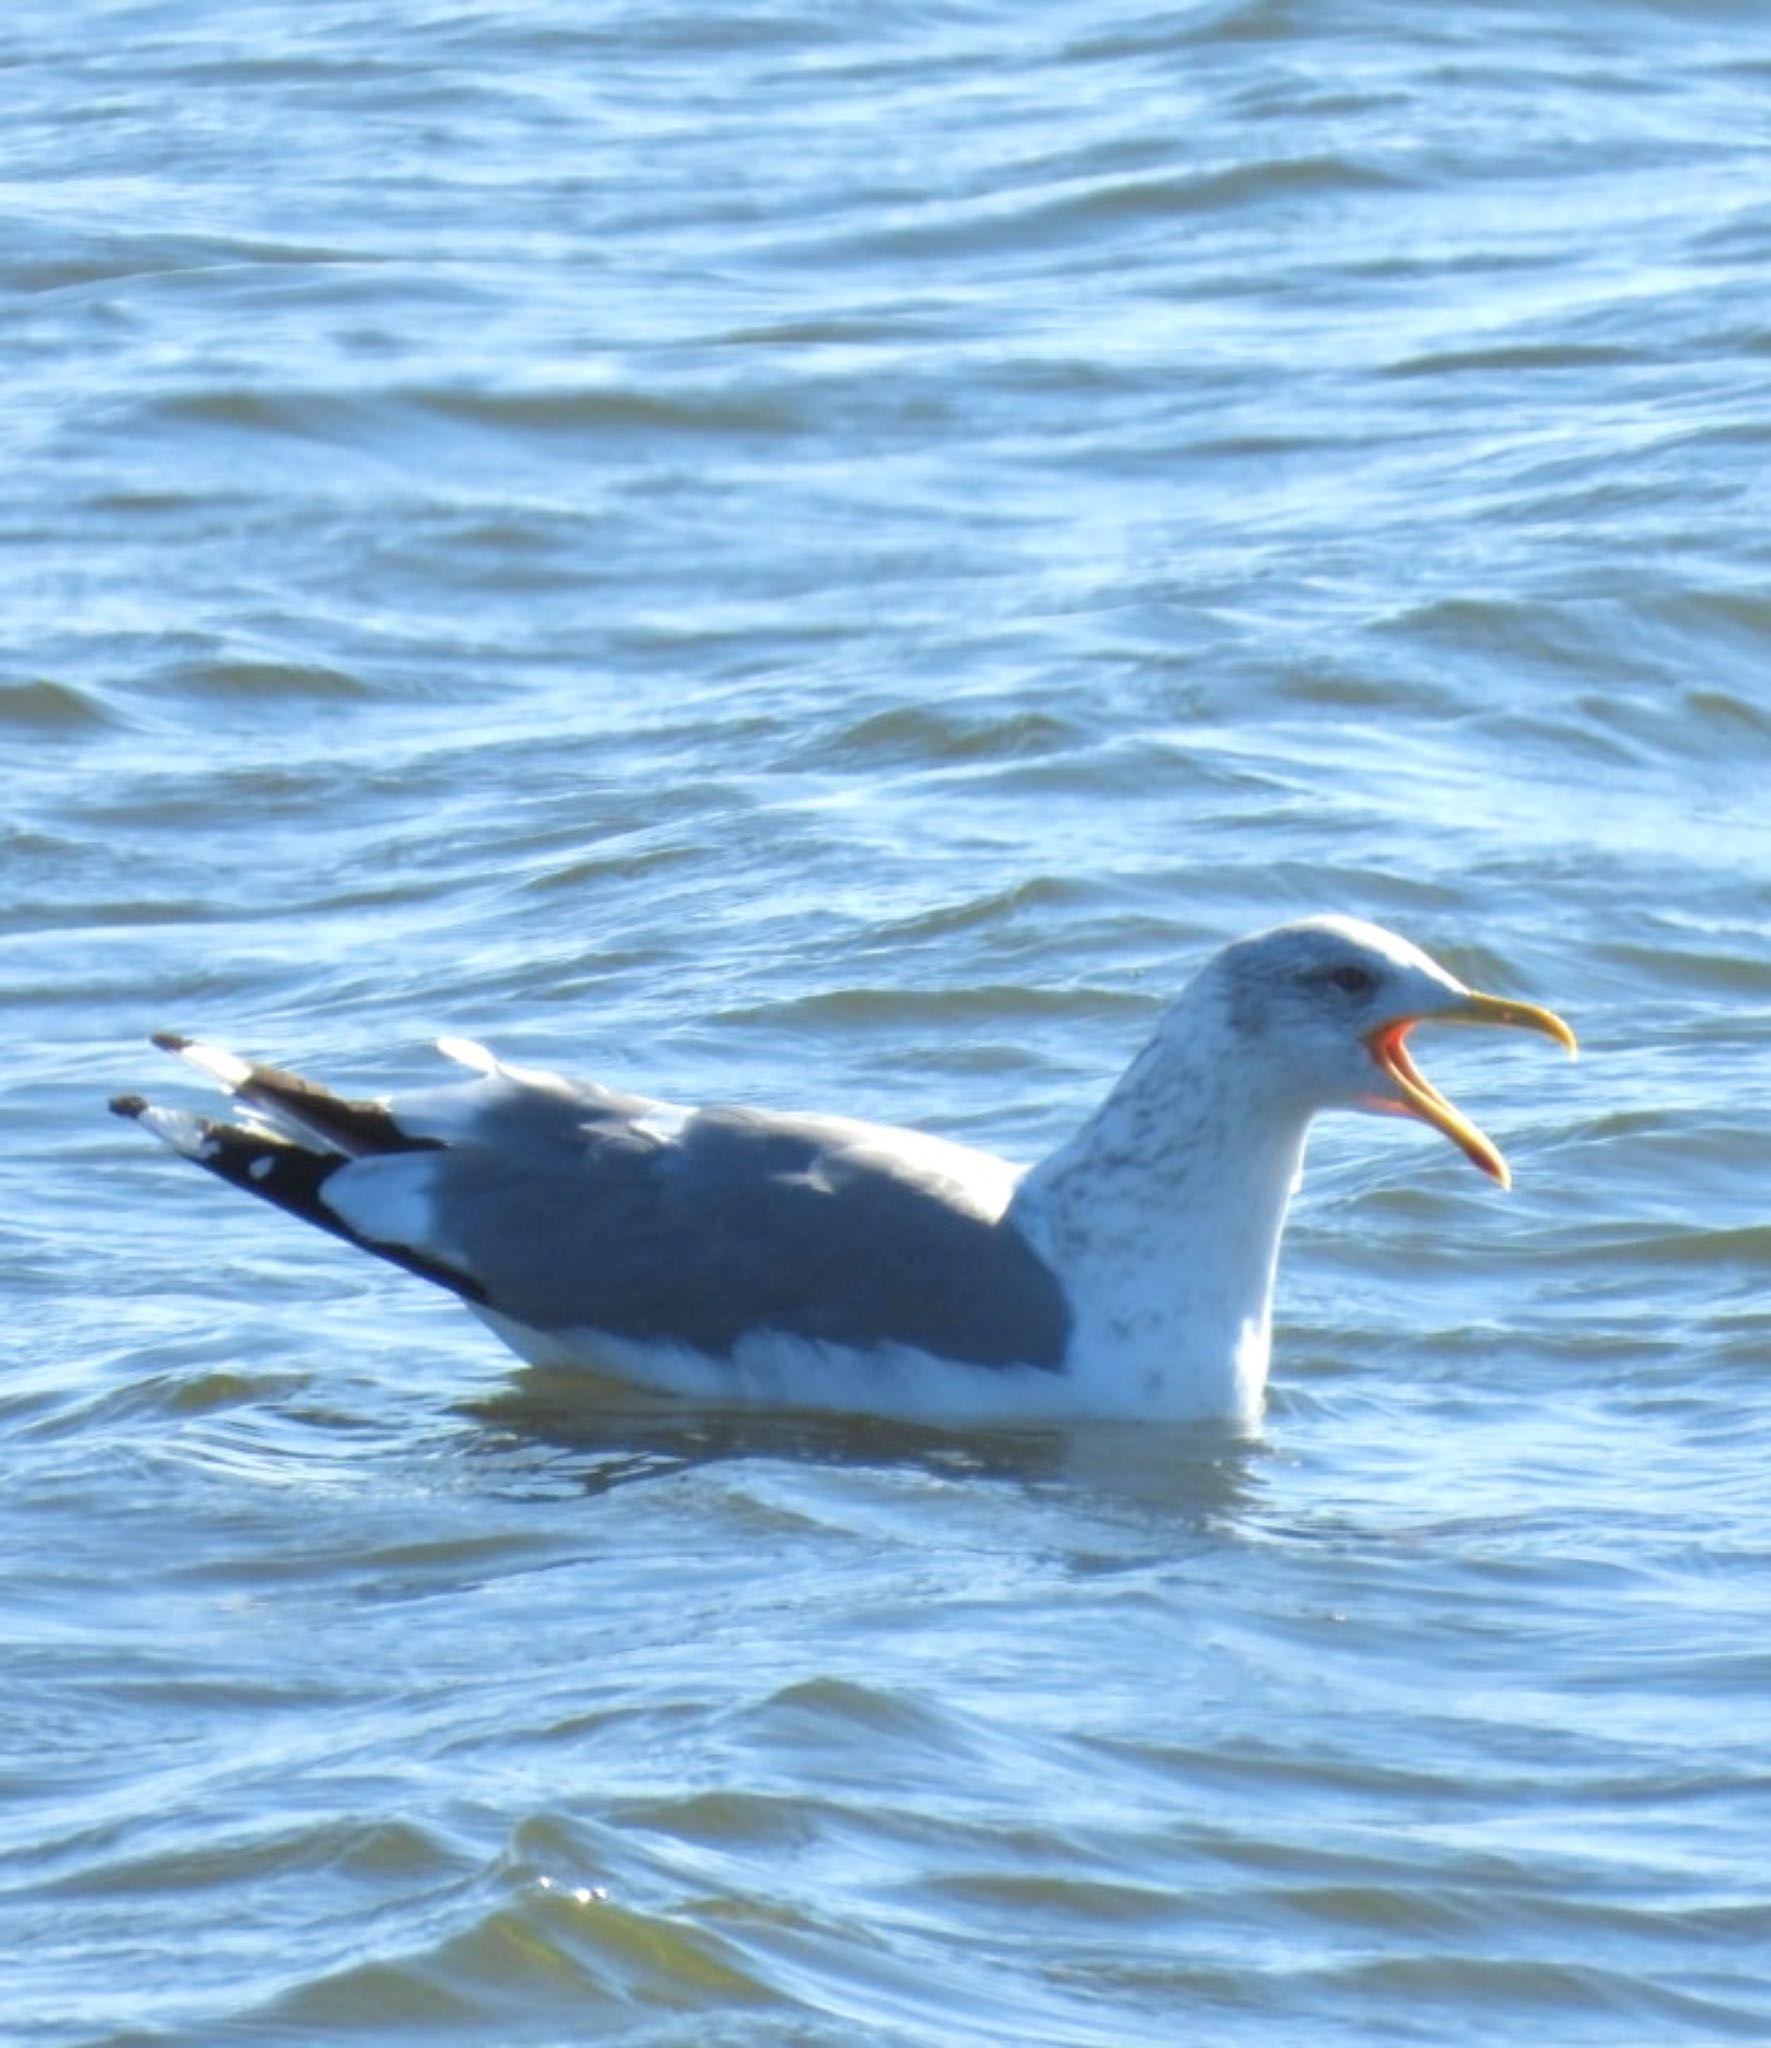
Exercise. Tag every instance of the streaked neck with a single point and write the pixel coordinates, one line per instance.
(1163, 1218)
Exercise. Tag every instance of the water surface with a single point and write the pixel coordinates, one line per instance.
(826, 561)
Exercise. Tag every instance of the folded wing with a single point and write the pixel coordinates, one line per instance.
(566, 1207)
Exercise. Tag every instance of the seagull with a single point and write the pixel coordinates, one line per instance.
(746, 1256)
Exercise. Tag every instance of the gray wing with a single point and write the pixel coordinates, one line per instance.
(568, 1207)
(576, 1210)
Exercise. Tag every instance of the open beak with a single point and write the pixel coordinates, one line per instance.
(1412, 1094)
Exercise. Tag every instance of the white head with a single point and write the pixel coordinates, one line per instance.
(1316, 1015)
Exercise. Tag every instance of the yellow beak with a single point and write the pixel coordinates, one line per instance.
(1416, 1096)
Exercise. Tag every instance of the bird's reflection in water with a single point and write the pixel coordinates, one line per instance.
(597, 1434)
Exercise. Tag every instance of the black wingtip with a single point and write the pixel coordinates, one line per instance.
(128, 1105)
(169, 1041)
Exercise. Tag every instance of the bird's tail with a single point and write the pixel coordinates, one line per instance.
(293, 1136)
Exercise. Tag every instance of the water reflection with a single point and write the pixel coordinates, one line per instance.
(600, 1434)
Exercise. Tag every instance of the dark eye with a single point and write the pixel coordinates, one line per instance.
(1355, 981)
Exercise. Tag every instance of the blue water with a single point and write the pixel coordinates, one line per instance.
(786, 557)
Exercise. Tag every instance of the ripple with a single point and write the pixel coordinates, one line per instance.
(383, 1851)
(601, 408)
(274, 682)
(48, 707)
(926, 734)
(993, 227)
(1571, 1989)
(555, 1946)
(1245, 184)
(894, 1007)
(100, 259)
(1512, 357)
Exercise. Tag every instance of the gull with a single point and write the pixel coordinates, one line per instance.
(739, 1255)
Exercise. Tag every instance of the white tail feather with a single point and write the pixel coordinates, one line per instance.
(184, 1131)
(217, 1062)
(466, 1052)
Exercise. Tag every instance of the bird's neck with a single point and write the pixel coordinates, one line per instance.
(1162, 1218)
